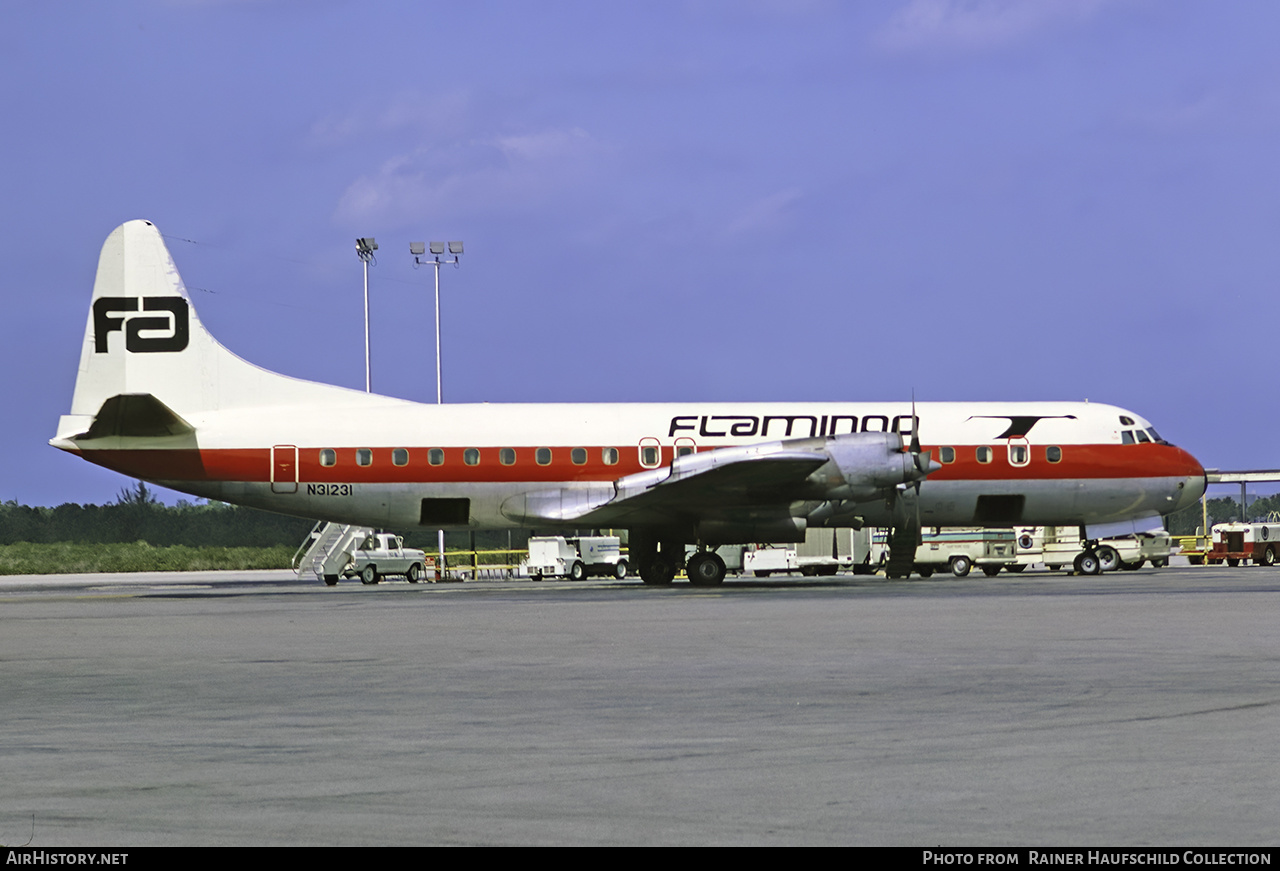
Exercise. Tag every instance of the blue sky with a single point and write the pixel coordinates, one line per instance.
(696, 200)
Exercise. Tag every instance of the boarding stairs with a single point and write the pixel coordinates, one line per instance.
(327, 548)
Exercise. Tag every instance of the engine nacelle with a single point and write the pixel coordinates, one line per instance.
(866, 465)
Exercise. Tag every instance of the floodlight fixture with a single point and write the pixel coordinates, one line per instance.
(417, 249)
(455, 247)
(437, 247)
(365, 246)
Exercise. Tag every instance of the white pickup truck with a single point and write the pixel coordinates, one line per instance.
(385, 554)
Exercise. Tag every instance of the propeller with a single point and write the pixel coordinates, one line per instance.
(922, 464)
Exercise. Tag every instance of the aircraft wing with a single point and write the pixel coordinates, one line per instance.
(759, 478)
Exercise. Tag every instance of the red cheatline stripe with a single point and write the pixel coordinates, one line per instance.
(254, 464)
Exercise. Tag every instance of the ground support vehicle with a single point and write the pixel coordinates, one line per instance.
(959, 549)
(765, 561)
(823, 552)
(1061, 547)
(336, 550)
(827, 551)
(1235, 543)
(554, 556)
(382, 554)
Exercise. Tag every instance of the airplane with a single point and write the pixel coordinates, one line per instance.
(158, 398)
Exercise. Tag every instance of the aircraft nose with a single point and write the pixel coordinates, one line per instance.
(1193, 483)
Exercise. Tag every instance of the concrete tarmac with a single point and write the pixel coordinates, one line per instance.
(1134, 709)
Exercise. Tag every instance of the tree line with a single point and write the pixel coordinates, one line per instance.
(137, 515)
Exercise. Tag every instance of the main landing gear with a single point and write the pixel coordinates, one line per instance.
(1095, 560)
(705, 569)
(659, 561)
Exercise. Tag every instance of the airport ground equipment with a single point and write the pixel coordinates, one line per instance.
(382, 554)
(554, 556)
(959, 549)
(337, 550)
(823, 552)
(1059, 547)
(1235, 543)
(766, 560)
(327, 549)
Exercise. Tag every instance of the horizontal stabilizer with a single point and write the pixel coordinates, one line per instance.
(135, 415)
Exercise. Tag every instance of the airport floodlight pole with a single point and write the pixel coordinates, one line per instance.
(418, 249)
(364, 250)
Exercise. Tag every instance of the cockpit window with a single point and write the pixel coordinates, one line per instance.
(1155, 437)
(1126, 421)
(1126, 437)
(1143, 437)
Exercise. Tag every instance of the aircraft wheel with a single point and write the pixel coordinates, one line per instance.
(620, 570)
(415, 572)
(658, 572)
(369, 575)
(960, 566)
(576, 571)
(1108, 558)
(1087, 563)
(991, 571)
(924, 571)
(331, 580)
(705, 570)
(1161, 563)
(1233, 561)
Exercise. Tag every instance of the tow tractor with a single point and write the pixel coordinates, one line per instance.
(554, 556)
(1235, 543)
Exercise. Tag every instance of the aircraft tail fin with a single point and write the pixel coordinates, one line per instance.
(143, 337)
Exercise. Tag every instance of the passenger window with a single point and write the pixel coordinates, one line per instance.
(364, 457)
(984, 454)
(435, 456)
(542, 456)
(610, 456)
(1053, 454)
(947, 455)
(471, 456)
(650, 453)
(1018, 455)
(579, 456)
(507, 456)
(328, 457)
(400, 457)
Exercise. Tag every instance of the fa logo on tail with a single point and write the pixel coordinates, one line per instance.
(172, 326)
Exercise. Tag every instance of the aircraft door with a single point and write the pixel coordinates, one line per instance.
(1019, 451)
(284, 469)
